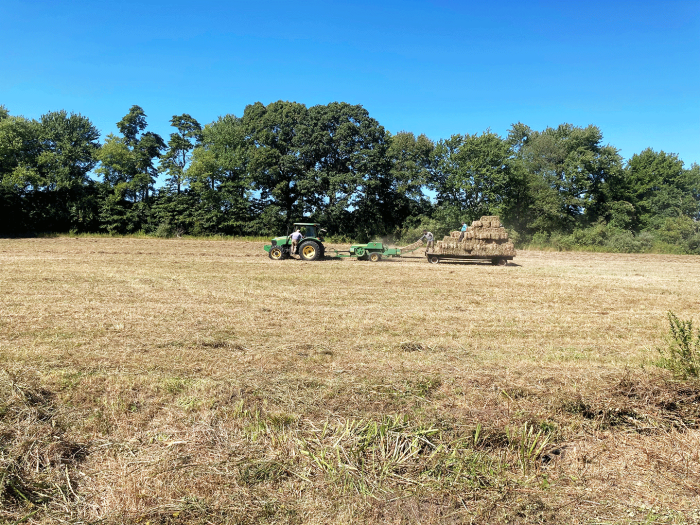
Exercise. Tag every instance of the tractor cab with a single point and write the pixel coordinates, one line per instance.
(310, 229)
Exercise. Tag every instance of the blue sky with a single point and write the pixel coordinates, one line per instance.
(436, 67)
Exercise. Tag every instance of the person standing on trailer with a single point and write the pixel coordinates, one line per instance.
(428, 239)
(296, 237)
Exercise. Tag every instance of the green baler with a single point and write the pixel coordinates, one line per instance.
(372, 251)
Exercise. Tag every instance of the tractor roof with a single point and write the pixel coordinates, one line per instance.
(306, 224)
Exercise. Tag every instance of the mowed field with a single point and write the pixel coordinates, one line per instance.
(183, 381)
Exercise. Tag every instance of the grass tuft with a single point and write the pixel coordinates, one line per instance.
(682, 356)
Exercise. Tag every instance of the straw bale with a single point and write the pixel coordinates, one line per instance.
(476, 224)
(485, 224)
(412, 246)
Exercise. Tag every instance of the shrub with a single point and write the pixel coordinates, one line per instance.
(682, 357)
(164, 230)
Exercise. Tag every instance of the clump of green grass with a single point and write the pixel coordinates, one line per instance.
(682, 356)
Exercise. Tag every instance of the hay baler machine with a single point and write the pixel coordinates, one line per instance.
(374, 251)
(311, 247)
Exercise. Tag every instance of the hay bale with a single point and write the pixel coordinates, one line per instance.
(476, 224)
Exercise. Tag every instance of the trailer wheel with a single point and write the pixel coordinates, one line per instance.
(498, 261)
(375, 257)
(309, 251)
(276, 253)
(433, 259)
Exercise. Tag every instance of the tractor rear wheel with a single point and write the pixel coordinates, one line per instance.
(276, 253)
(375, 257)
(309, 251)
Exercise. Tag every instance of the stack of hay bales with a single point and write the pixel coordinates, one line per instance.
(484, 237)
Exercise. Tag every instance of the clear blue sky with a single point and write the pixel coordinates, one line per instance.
(436, 67)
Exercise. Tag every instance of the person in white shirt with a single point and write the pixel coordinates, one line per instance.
(296, 237)
(429, 239)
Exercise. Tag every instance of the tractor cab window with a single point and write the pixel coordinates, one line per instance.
(308, 231)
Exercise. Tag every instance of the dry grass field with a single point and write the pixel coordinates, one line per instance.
(181, 381)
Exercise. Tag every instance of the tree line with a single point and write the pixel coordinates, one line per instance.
(333, 163)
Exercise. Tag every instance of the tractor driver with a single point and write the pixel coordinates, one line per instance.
(296, 237)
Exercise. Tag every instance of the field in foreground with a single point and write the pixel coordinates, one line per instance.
(174, 381)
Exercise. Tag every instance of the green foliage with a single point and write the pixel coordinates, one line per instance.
(180, 145)
(164, 230)
(608, 238)
(658, 186)
(128, 172)
(560, 188)
(528, 443)
(682, 356)
(569, 173)
(472, 175)
(413, 229)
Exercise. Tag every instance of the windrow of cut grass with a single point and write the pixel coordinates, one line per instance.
(189, 381)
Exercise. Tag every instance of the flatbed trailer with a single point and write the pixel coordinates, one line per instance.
(498, 260)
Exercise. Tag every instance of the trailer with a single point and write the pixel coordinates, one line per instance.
(497, 260)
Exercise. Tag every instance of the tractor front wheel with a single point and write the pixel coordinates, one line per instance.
(276, 253)
(309, 251)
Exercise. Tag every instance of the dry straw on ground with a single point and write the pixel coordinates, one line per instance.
(178, 381)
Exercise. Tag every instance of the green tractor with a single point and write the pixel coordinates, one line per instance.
(310, 247)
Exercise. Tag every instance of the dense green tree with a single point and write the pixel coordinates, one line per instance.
(570, 175)
(411, 160)
(472, 176)
(658, 187)
(127, 166)
(180, 146)
(68, 144)
(46, 164)
(19, 149)
(273, 159)
(346, 180)
(219, 177)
